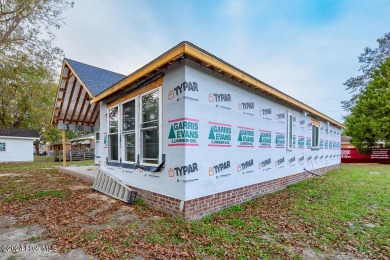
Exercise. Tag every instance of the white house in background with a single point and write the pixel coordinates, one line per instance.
(16, 144)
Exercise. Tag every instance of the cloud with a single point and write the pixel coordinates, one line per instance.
(306, 49)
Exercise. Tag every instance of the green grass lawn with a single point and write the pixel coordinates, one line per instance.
(40, 163)
(344, 211)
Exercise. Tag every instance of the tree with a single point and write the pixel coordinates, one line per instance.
(370, 59)
(24, 22)
(370, 117)
(28, 62)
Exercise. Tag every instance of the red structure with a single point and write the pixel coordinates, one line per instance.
(378, 155)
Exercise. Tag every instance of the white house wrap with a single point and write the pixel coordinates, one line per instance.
(192, 134)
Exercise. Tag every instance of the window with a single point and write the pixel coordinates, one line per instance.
(2, 147)
(136, 137)
(149, 131)
(113, 143)
(97, 142)
(290, 140)
(315, 127)
(128, 128)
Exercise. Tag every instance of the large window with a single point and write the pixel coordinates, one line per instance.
(149, 127)
(315, 133)
(2, 147)
(129, 128)
(138, 129)
(113, 131)
(290, 140)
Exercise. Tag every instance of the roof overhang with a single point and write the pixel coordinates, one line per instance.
(18, 137)
(72, 108)
(192, 52)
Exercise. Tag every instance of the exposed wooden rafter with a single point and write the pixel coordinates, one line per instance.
(82, 107)
(86, 112)
(70, 99)
(76, 104)
(93, 113)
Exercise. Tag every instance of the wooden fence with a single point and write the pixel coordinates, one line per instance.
(74, 155)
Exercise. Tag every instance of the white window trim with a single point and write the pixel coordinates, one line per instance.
(317, 146)
(136, 131)
(118, 133)
(288, 132)
(159, 127)
(138, 141)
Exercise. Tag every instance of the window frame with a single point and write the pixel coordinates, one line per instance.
(97, 143)
(127, 132)
(139, 159)
(290, 132)
(117, 133)
(315, 135)
(159, 127)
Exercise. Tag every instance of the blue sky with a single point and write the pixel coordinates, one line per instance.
(306, 49)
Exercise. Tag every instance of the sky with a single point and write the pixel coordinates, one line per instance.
(304, 48)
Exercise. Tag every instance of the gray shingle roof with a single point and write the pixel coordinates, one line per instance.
(19, 132)
(94, 78)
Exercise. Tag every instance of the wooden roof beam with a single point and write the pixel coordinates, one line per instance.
(93, 113)
(96, 117)
(86, 112)
(82, 107)
(70, 99)
(77, 103)
(63, 97)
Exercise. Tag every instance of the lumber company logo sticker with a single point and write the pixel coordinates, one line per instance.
(302, 123)
(301, 160)
(183, 132)
(216, 97)
(266, 113)
(190, 86)
(265, 165)
(220, 135)
(218, 169)
(248, 106)
(220, 99)
(265, 139)
(281, 118)
(279, 163)
(308, 142)
(243, 166)
(291, 161)
(294, 141)
(183, 171)
(246, 137)
(280, 140)
(301, 142)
